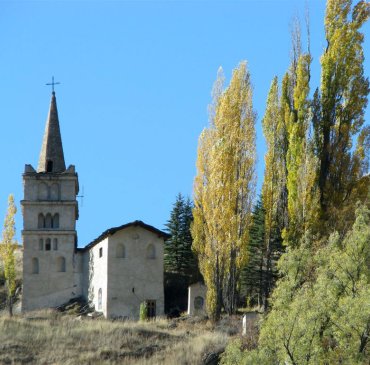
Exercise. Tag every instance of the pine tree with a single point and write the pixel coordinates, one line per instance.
(191, 269)
(224, 191)
(253, 276)
(260, 273)
(178, 255)
(173, 246)
(7, 253)
(180, 262)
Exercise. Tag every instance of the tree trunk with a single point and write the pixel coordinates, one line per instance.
(10, 305)
(268, 275)
(230, 291)
(217, 312)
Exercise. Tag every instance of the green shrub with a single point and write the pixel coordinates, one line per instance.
(235, 355)
(143, 311)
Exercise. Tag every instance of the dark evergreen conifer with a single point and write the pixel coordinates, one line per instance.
(173, 246)
(180, 263)
(178, 256)
(253, 275)
(257, 279)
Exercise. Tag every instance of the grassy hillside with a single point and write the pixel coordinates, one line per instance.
(51, 338)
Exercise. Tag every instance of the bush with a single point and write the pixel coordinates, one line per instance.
(235, 354)
(143, 312)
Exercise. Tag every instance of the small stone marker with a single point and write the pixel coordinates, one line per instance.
(244, 332)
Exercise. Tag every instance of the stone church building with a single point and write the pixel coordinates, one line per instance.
(115, 273)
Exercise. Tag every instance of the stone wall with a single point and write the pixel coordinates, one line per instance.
(51, 272)
(96, 268)
(134, 274)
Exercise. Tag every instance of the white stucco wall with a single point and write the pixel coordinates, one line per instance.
(97, 278)
(134, 278)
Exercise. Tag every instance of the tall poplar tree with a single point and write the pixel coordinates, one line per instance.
(301, 162)
(224, 190)
(320, 309)
(7, 253)
(339, 113)
(274, 184)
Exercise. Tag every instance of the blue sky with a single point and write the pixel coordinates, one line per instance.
(136, 79)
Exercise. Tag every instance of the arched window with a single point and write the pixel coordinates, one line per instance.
(55, 222)
(41, 244)
(48, 244)
(48, 221)
(55, 244)
(41, 221)
(198, 303)
(43, 192)
(35, 265)
(121, 251)
(61, 264)
(54, 192)
(150, 252)
(100, 299)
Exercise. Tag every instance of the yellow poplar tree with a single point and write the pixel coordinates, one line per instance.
(301, 161)
(274, 183)
(340, 118)
(224, 190)
(7, 252)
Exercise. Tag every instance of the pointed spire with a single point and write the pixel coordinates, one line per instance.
(51, 155)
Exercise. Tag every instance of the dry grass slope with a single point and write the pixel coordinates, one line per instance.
(51, 338)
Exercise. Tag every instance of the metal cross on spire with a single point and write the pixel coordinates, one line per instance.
(52, 83)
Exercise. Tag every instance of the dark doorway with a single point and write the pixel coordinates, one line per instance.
(150, 304)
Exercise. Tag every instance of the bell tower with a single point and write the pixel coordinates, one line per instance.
(50, 211)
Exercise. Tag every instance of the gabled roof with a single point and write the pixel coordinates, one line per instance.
(113, 230)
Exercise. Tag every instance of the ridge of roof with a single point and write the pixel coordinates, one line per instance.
(113, 230)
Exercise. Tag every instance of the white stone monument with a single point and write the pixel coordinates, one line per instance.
(197, 299)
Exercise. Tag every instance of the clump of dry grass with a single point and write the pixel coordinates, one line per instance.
(47, 337)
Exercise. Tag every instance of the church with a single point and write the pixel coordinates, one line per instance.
(115, 273)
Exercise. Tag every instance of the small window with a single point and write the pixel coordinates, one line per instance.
(35, 265)
(41, 221)
(41, 244)
(121, 251)
(61, 264)
(150, 252)
(101, 252)
(48, 221)
(49, 166)
(100, 299)
(48, 244)
(55, 222)
(55, 244)
(198, 303)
